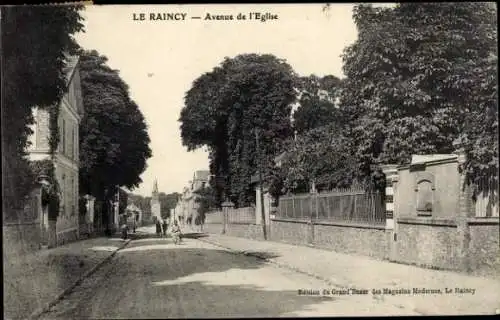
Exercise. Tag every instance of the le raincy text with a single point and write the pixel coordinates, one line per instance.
(179, 16)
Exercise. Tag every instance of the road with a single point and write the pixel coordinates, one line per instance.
(153, 278)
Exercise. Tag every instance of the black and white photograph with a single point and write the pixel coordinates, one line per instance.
(249, 160)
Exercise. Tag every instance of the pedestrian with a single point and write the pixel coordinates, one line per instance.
(165, 226)
(158, 227)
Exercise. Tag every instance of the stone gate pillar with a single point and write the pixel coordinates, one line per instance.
(464, 211)
(391, 175)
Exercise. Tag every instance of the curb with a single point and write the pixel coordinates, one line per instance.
(295, 269)
(281, 265)
(64, 292)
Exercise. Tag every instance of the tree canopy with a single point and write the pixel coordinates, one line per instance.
(223, 109)
(206, 201)
(167, 202)
(419, 77)
(114, 142)
(317, 103)
(34, 40)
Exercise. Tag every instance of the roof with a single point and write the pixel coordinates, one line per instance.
(201, 175)
(416, 159)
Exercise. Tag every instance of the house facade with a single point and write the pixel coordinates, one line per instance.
(134, 213)
(189, 196)
(66, 157)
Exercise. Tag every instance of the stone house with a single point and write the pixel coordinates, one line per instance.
(200, 180)
(66, 157)
(134, 213)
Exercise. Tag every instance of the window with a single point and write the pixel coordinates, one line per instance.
(203, 184)
(63, 195)
(73, 139)
(63, 136)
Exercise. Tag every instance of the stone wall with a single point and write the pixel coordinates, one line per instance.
(433, 243)
(67, 236)
(290, 231)
(20, 238)
(341, 237)
(446, 181)
(249, 231)
(484, 247)
(352, 239)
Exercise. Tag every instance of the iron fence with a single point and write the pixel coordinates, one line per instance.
(244, 215)
(339, 205)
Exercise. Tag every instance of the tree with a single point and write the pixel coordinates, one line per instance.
(317, 103)
(323, 156)
(417, 77)
(143, 203)
(225, 106)
(167, 202)
(123, 201)
(33, 41)
(206, 200)
(114, 142)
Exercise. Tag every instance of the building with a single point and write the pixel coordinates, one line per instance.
(134, 213)
(178, 211)
(66, 158)
(155, 203)
(190, 206)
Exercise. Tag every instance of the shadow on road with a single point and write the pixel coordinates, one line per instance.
(262, 254)
(161, 280)
(194, 235)
(143, 235)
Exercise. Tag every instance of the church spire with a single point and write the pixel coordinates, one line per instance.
(155, 187)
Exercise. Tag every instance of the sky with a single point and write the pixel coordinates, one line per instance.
(159, 60)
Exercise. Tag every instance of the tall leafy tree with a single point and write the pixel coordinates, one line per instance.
(223, 109)
(114, 142)
(417, 77)
(33, 40)
(143, 203)
(317, 103)
(167, 202)
(206, 201)
(323, 156)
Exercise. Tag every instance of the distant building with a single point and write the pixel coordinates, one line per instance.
(155, 202)
(66, 157)
(134, 213)
(190, 206)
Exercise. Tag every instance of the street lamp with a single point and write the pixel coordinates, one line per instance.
(259, 164)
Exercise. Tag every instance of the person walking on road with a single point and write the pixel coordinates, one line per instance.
(165, 226)
(158, 227)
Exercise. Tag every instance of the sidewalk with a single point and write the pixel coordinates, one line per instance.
(33, 281)
(349, 271)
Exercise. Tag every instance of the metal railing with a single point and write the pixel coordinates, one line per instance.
(339, 205)
(244, 215)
